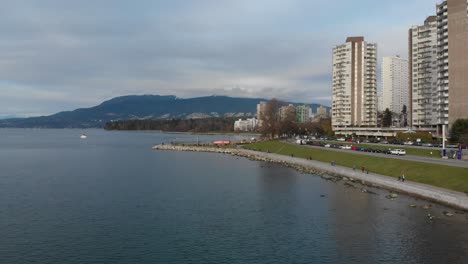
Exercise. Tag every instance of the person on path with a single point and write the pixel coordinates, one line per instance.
(354, 167)
(367, 170)
(403, 178)
(362, 169)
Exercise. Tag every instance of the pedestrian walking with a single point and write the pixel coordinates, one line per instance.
(354, 167)
(362, 169)
(367, 170)
(403, 178)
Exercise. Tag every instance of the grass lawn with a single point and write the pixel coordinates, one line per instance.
(448, 177)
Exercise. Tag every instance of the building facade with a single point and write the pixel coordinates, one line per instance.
(285, 111)
(354, 84)
(247, 125)
(303, 113)
(452, 32)
(322, 111)
(395, 90)
(423, 74)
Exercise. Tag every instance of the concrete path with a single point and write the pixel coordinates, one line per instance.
(439, 161)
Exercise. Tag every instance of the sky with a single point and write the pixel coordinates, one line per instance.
(60, 55)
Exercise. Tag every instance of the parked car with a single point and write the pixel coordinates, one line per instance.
(398, 152)
(427, 145)
(345, 147)
(341, 139)
(408, 143)
(384, 142)
(327, 145)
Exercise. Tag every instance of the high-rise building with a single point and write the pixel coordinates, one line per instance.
(438, 53)
(354, 84)
(395, 90)
(303, 113)
(452, 32)
(380, 105)
(423, 74)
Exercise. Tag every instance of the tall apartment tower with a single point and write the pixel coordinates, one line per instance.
(354, 84)
(452, 30)
(395, 84)
(423, 70)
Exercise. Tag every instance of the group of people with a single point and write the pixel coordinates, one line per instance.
(363, 169)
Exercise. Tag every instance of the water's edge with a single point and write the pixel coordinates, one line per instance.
(446, 197)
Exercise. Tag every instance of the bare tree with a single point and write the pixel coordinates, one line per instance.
(269, 119)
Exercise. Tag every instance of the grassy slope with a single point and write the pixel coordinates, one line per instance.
(448, 177)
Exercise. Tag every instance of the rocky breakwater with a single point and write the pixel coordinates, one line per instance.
(351, 178)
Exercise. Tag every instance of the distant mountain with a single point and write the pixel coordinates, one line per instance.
(143, 107)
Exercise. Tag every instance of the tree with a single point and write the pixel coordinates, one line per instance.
(269, 119)
(404, 116)
(288, 125)
(387, 118)
(459, 131)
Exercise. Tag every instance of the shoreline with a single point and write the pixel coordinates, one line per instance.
(456, 200)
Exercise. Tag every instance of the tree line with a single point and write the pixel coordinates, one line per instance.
(204, 125)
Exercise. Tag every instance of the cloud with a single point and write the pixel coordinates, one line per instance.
(60, 55)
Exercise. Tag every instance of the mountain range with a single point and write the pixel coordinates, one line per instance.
(144, 107)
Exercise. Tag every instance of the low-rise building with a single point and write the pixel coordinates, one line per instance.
(248, 125)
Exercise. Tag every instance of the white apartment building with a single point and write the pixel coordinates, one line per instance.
(247, 125)
(423, 74)
(395, 90)
(354, 84)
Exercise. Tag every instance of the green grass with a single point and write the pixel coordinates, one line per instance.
(454, 178)
(436, 153)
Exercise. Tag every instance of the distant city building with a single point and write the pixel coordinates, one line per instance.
(380, 107)
(322, 111)
(354, 84)
(395, 90)
(261, 108)
(247, 125)
(303, 113)
(284, 110)
(423, 74)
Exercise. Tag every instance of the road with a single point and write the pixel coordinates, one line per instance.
(385, 145)
(446, 162)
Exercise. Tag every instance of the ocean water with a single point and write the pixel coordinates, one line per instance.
(112, 199)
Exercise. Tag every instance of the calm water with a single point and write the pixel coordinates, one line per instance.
(111, 199)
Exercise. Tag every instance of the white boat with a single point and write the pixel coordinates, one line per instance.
(83, 136)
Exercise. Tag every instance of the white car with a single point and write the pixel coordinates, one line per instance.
(409, 143)
(341, 139)
(345, 147)
(398, 152)
(327, 145)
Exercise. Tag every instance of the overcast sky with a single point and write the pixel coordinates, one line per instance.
(61, 54)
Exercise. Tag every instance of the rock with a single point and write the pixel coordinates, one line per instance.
(447, 214)
(345, 178)
(392, 196)
(349, 185)
(413, 205)
(323, 195)
(427, 206)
